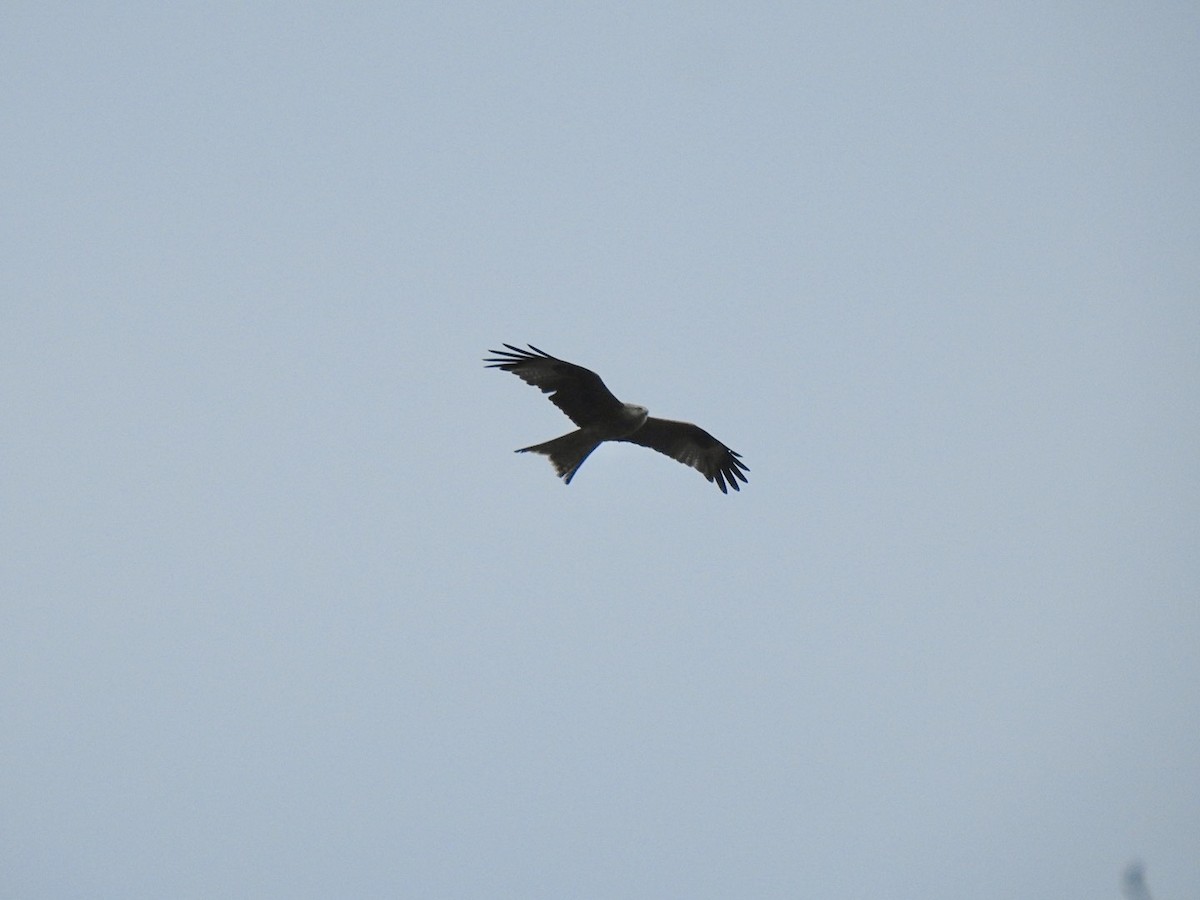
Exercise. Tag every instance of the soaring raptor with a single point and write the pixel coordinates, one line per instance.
(581, 394)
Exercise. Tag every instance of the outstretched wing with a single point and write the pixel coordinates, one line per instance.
(695, 447)
(577, 391)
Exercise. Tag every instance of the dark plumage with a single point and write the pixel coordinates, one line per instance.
(581, 394)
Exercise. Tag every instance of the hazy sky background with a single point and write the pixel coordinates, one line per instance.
(284, 616)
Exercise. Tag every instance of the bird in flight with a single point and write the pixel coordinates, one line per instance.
(581, 394)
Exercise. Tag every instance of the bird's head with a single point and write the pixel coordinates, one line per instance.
(636, 414)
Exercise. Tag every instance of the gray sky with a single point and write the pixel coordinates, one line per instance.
(283, 614)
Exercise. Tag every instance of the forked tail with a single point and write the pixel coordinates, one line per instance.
(566, 453)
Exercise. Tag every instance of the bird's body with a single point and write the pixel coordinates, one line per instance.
(581, 394)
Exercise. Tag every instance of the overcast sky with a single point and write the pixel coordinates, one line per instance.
(282, 614)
